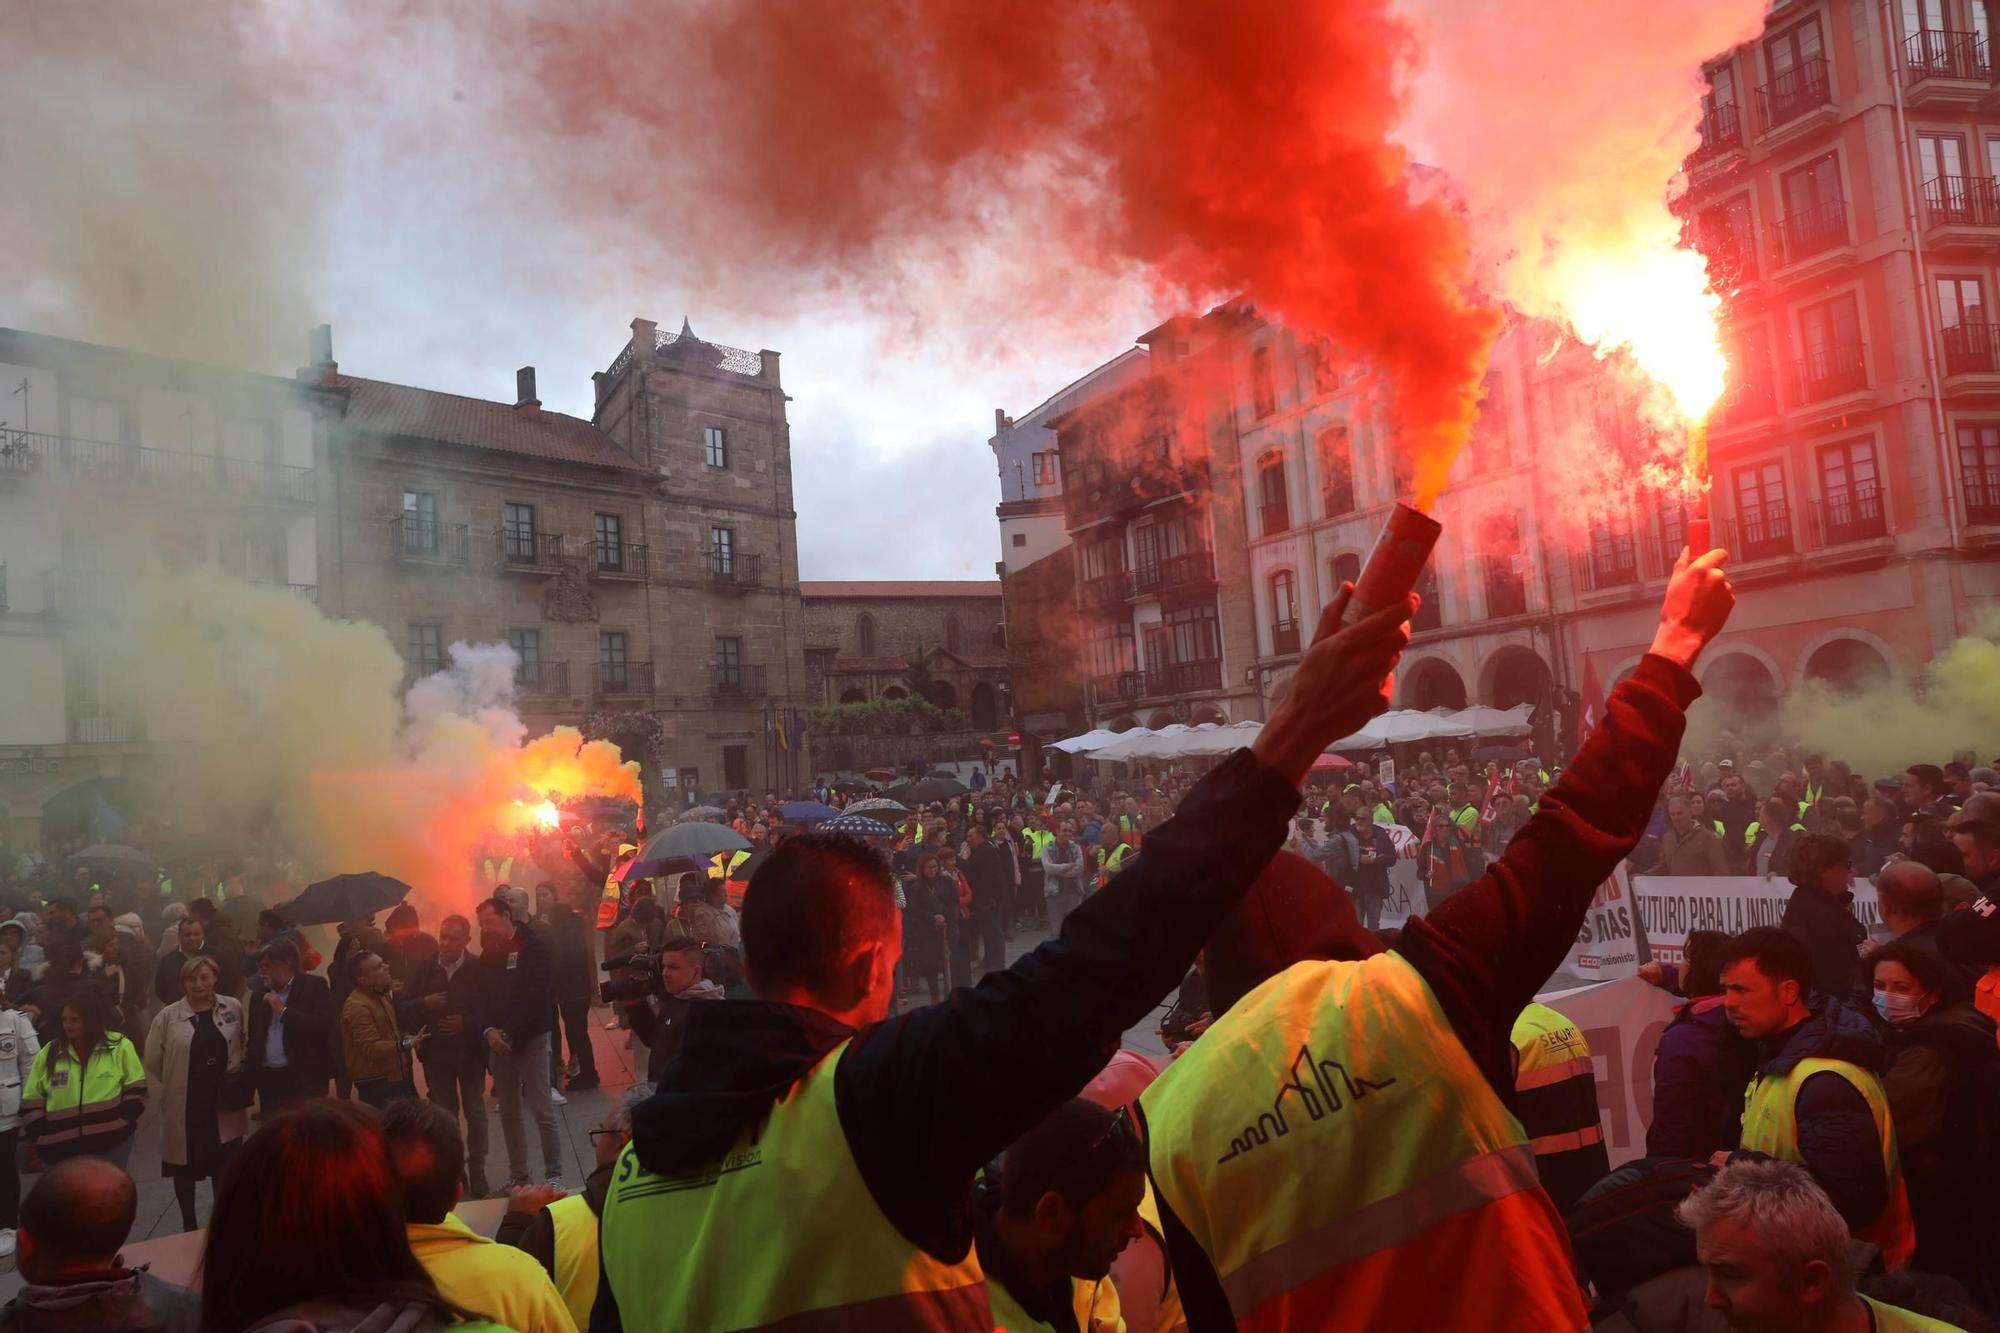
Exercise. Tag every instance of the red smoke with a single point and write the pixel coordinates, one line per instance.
(1229, 148)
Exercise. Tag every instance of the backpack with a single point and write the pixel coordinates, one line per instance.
(1623, 1229)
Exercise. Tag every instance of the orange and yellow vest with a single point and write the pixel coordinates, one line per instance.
(1771, 1127)
(781, 1230)
(1342, 1163)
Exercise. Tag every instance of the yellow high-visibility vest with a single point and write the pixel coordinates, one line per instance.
(575, 1228)
(1332, 1148)
(749, 1253)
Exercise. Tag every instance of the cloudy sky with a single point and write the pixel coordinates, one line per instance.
(208, 180)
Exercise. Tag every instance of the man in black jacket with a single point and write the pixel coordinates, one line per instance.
(449, 997)
(520, 975)
(291, 1027)
(575, 984)
(194, 944)
(1820, 913)
(989, 871)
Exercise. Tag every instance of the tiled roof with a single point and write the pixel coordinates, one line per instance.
(904, 588)
(476, 423)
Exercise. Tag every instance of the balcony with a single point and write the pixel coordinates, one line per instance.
(1285, 638)
(1183, 677)
(1759, 533)
(614, 562)
(624, 679)
(1813, 241)
(1176, 571)
(1849, 515)
(1610, 565)
(107, 729)
(729, 569)
(157, 473)
(1945, 69)
(1105, 590)
(736, 681)
(305, 592)
(1982, 497)
(1101, 488)
(541, 680)
(425, 541)
(528, 552)
(1971, 349)
(1117, 687)
(1721, 137)
(1961, 211)
(1838, 370)
(1797, 102)
(1743, 403)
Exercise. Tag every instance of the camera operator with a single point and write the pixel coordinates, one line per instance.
(656, 1005)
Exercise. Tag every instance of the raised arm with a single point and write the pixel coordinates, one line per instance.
(930, 1097)
(1487, 949)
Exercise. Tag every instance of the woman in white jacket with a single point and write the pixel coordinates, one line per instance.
(195, 1044)
(18, 1045)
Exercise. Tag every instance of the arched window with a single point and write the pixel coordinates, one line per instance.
(1274, 505)
(1336, 471)
(951, 632)
(1346, 569)
(864, 632)
(1284, 613)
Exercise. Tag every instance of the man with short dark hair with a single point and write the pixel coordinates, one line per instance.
(469, 1269)
(374, 1048)
(1975, 831)
(1912, 902)
(834, 1147)
(1923, 794)
(1066, 1205)
(73, 1223)
(291, 1024)
(659, 1021)
(519, 968)
(1816, 1098)
(450, 994)
(193, 938)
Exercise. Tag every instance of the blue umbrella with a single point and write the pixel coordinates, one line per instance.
(859, 826)
(663, 865)
(806, 812)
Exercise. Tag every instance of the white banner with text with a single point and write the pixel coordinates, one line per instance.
(1672, 906)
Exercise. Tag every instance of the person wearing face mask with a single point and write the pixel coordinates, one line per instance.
(1942, 1077)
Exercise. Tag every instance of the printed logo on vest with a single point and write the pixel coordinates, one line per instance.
(1312, 1083)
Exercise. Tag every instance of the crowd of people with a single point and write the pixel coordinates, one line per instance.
(866, 1101)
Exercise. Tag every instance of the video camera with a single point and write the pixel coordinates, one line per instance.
(624, 990)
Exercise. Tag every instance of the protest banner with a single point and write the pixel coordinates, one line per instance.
(1621, 1022)
(1607, 944)
(1670, 906)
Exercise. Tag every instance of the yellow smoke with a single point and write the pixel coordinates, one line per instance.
(1883, 730)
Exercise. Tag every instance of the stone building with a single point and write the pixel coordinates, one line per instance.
(643, 566)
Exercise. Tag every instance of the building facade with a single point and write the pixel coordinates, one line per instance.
(642, 565)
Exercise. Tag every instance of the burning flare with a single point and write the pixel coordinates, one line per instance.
(1659, 306)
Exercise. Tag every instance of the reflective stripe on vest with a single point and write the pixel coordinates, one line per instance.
(575, 1228)
(1771, 1126)
(1895, 1319)
(782, 1230)
(607, 903)
(1332, 1148)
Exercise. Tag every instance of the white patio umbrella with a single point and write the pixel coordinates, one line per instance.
(1090, 740)
(1141, 743)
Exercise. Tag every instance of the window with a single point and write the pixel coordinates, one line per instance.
(1762, 511)
(1109, 650)
(952, 634)
(1850, 490)
(735, 767)
(1284, 614)
(527, 646)
(1960, 301)
(1336, 471)
(1797, 64)
(1613, 559)
(1969, 344)
(1815, 212)
(1046, 473)
(1430, 611)
(1931, 47)
(1979, 470)
(426, 655)
(420, 523)
(1751, 382)
(722, 552)
(1346, 569)
(1402, 473)
(610, 530)
(715, 446)
(1185, 635)
(1721, 122)
(1504, 566)
(728, 662)
(864, 634)
(613, 670)
(1673, 531)
(1726, 234)
(517, 532)
(1103, 558)
(1020, 539)
(1830, 335)
(1274, 504)
(1949, 195)
(1263, 389)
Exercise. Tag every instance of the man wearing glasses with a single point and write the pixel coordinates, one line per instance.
(560, 1230)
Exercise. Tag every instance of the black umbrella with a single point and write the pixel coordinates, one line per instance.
(928, 789)
(696, 839)
(699, 813)
(859, 826)
(345, 898)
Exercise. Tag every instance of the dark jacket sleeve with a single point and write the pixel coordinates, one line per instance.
(1683, 1111)
(1488, 948)
(1838, 1141)
(522, 1008)
(167, 978)
(928, 1098)
(532, 1233)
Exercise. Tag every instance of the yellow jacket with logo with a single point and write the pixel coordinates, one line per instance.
(502, 1283)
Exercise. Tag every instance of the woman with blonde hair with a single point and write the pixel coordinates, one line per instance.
(195, 1054)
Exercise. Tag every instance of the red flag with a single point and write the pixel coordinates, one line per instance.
(1591, 710)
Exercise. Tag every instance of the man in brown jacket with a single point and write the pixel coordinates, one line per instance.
(1690, 847)
(373, 1044)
